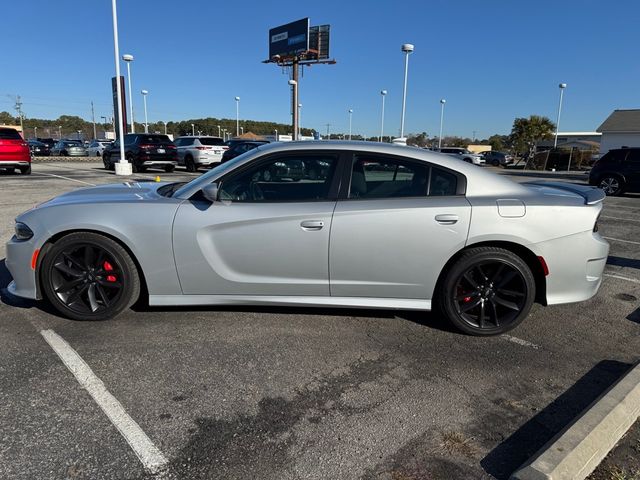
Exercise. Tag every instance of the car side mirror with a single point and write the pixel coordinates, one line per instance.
(210, 192)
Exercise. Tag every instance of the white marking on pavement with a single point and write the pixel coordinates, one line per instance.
(620, 277)
(149, 455)
(65, 178)
(520, 341)
(620, 240)
(619, 218)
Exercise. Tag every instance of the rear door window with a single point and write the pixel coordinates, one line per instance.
(377, 177)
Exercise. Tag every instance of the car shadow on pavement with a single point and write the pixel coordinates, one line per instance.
(422, 318)
(522, 445)
(623, 262)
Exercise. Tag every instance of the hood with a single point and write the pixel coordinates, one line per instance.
(128, 192)
(570, 192)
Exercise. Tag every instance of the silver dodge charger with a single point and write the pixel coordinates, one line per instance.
(356, 224)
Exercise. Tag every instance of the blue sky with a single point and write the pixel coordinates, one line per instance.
(492, 60)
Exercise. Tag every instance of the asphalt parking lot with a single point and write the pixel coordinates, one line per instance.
(299, 393)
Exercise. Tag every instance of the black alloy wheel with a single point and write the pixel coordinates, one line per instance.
(611, 185)
(87, 276)
(190, 164)
(488, 291)
(25, 170)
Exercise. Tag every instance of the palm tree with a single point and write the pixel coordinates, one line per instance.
(526, 132)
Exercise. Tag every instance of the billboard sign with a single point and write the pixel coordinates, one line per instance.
(319, 41)
(290, 39)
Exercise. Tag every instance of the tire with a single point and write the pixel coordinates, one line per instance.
(63, 153)
(87, 276)
(487, 291)
(190, 164)
(468, 160)
(495, 163)
(98, 154)
(612, 185)
(107, 164)
(25, 170)
(169, 168)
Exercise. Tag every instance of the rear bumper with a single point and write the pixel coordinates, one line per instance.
(14, 163)
(576, 264)
(148, 163)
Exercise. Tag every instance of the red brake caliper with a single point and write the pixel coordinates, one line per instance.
(109, 268)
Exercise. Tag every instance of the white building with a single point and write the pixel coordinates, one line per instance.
(620, 129)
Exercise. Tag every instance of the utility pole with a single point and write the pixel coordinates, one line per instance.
(93, 119)
(328, 125)
(18, 108)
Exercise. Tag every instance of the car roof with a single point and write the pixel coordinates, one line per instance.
(484, 182)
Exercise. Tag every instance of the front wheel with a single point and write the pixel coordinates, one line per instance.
(25, 170)
(169, 168)
(87, 276)
(487, 291)
(612, 185)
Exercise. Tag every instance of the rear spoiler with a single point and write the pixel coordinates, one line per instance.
(591, 195)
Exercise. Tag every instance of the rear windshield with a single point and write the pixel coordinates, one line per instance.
(9, 134)
(211, 141)
(153, 139)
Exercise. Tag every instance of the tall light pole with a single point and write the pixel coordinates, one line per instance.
(35, 132)
(165, 127)
(128, 59)
(407, 48)
(562, 86)
(193, 130)
(104, 123)
(59, 132)
(350, 115)
(299, 120)
(218, 130)
(123, 167)
(294, 107)
(442, 102)
(237, 116)
(146, 120)
(383, 94)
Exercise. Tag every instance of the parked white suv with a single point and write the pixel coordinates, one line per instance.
(199, 151)
(96, 148)
(463, 154)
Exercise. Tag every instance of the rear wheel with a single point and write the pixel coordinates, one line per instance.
(190, 164)
(495, 163)
(107, 163)
(25, 170)
(87, 276)
(487, 291)
(611, 185)
(169, 168)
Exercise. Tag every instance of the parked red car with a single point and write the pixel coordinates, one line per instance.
(14, 151)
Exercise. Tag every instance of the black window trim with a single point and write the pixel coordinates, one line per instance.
(461, 188)
(334, 187)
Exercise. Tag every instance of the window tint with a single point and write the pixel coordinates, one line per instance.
(633, 156)
(442, 183)
(387, 178)
(614, 156)
(211, 141)
(289, 178)
(152, 139)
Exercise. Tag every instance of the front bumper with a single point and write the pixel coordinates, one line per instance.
(576, 264)
(18, 262)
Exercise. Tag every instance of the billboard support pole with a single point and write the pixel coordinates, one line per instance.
(294, 98)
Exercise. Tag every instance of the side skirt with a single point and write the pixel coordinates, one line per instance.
(350, 302)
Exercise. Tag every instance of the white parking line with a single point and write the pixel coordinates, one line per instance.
(65, 178)
(149, 455)
(520, 341)
(620, 277)
(621, 240)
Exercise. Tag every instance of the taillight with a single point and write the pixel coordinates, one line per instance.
(202, 148)
(145, 146)
(170, 147)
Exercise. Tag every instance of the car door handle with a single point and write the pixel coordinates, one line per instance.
(447, 219)
(312, 224)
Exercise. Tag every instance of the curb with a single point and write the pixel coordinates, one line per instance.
(577, 450)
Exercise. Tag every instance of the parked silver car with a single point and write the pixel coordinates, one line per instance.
(69, 148)
(200, 151)
(96, 147)
(382, 226)
(463, 154)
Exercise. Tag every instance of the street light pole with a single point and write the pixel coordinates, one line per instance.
(128, 59)
(562, 86)
(237, 116)
(165, 127)
(123, 167)
(35, 132)
(218, 130)
(350, 115)
(383, 94)
(442, 102)
(407, 48)
(294, 104)
(299, 120)
(144, 99)
(193, 131)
